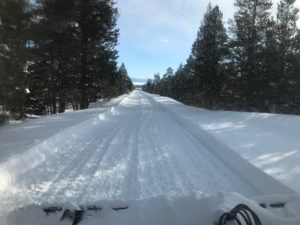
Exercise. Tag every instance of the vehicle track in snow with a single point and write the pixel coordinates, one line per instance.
(137, 149)
(192, 163)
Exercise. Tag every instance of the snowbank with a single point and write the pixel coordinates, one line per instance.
(271, 142)
(107, 103)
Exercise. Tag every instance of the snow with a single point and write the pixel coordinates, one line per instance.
(21, 136)
(269, 141)
(189, 210)
(169, 163)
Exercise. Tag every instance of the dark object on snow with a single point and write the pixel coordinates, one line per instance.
(273, 205)
(94, 208)
(278, 205)
(120, 208)
(78, 216)
(242, 215)
(75, 216)
(263, 205)
(67, 215)
(50, 210)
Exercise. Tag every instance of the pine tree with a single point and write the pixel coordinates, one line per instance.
(248, 30)
(97, 34)
(75, 58)
(14, 17)
(209, 52)
(297, 69)
(124, 84)
(50, 74)
(286, 29)
(270, 70)
(256, 69)
(149, 86)
(177, 83)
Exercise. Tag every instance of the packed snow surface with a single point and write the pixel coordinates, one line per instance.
(143, 151)
(269, 141)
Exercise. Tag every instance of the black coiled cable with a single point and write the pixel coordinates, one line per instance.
(242, 215)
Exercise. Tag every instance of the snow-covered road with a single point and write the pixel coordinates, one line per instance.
(136, 149)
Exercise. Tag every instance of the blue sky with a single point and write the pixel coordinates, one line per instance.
(156, 34)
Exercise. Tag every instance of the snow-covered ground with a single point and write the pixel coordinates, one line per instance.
(168, 163)
(18, 137)
(269, 141)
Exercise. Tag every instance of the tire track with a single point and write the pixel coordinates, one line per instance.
(239, 176)
(93, 184)
(131, 187)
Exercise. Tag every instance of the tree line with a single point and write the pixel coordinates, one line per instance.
(56, 54)
(253, 64)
